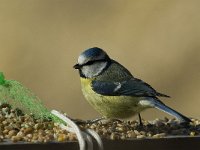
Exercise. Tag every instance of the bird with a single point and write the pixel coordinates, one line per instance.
(113, 91)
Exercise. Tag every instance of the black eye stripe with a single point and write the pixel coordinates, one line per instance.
(93, 61)
(89, 63)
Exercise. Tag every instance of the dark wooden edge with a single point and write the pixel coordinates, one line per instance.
(172, 143)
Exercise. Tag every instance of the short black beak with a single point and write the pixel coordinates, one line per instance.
(77, 66)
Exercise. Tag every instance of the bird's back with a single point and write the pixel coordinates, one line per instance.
(115, 72)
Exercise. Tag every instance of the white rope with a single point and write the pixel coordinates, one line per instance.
(81, 136)
(96, 137)
(88, 140)
(75, 128)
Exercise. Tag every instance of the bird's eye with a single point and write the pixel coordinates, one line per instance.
(89, 63)
(94, 61)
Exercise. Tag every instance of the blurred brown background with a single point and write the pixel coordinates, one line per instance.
(158, 40)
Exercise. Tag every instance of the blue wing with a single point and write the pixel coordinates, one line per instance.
(132, 87)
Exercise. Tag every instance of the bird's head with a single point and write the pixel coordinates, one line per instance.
(92, 62)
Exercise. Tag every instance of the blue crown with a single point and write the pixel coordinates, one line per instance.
(93, 52)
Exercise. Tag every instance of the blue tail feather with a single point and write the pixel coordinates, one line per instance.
(161, 106)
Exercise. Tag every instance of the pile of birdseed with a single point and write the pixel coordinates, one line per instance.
(16, 126)
(157, 128)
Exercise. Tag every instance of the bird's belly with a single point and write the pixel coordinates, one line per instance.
(111, 106)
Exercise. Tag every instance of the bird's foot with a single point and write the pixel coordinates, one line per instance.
(78, 121)
(140, 120)
(101, 120)
(94, 120)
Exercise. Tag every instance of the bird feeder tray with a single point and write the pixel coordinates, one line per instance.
(169, 143)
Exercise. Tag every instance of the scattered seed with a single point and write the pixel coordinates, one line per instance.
(140, 136)
(160, 135)
(22, 127)
(192, 133)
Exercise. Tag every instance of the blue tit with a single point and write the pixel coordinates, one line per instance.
(113, 91)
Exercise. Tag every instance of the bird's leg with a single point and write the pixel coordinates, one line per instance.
(94, 120)
(140, 120)
(102, 120)
(77, 121)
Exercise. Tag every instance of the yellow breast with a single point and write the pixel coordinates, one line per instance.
(110, 106)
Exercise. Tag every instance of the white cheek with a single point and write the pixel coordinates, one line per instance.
(86, 71)
(93, 70)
